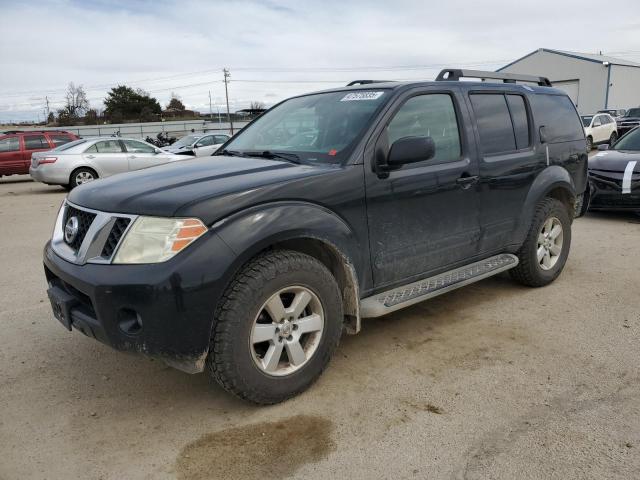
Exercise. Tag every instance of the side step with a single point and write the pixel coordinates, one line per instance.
(401, 297)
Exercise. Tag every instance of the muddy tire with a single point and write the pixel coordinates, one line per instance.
(276, 327)
(546, 247)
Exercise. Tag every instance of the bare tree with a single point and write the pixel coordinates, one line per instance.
(77, 102)
(256, 105)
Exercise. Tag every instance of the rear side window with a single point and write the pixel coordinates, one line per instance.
(35, 142)
(60, 139)
(10, 144)
(520, 120)
(494, 123)
(430, 115)
(106, 146)
(559, 117)
(138, 147)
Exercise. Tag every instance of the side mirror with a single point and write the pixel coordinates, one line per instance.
(543, 134)
(411, 150)
(603, 147)
(197, 145)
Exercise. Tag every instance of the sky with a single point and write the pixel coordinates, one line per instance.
(278, 48)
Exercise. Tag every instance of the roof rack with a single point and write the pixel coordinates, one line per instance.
(9, 132)
(366, 82)
(455, 74)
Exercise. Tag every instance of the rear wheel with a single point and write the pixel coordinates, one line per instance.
(613, 138)
(546, 248)
(589, 144)
(82, 175)
(276, 327)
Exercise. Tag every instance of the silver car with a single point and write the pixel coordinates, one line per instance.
(198, 145)
(88, 159)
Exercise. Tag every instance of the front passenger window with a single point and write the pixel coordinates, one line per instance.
(430, 115)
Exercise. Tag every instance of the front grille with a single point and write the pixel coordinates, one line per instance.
(119, 227)
(85, 219)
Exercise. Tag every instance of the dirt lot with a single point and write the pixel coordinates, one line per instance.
(491, 381)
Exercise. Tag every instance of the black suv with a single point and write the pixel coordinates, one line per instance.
(330, 207)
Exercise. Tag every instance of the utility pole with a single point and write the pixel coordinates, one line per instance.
(210, 109)
(226, 92)
(46, 99)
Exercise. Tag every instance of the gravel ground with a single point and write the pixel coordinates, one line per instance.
(491, 381)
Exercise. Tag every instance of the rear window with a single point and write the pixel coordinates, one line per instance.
(35, 142)
(67, 146)
(60, 139)
(559, 117)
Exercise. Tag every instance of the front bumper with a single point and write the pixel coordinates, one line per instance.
(161, 310)
(605, 193)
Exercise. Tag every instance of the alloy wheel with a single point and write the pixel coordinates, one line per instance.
(84, 177)
(550, 239)
(287, 331)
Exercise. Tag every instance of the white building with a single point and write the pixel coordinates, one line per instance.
(592, 81)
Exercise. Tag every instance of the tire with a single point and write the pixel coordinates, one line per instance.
(77, 176)
(235, 360)
(531, 271)
(589, 144)
(613, 138)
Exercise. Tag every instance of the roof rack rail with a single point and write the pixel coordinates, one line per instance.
(366, 82)
(455, 74)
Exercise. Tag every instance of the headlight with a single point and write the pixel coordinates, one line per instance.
(154, 239)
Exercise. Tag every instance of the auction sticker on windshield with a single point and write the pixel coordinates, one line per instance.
(356, 96)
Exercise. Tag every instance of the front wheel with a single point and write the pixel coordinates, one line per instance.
(613, 138)
(546, 248)
(589, 144)
(276, 327)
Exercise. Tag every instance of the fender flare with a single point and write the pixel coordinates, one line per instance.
(551, 178)
(251, 231)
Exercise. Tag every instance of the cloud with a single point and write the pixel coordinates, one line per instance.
(277, 48)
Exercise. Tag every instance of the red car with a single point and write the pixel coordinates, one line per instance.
(16, 148)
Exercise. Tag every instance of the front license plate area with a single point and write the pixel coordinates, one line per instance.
(61, 304)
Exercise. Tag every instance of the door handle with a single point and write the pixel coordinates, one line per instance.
(466, 181)
(131, 156)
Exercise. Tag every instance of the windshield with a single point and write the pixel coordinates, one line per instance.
(66, 146)
(586, 121)
(319, 127)
(185, 141)
(631, 141)
(633, 112)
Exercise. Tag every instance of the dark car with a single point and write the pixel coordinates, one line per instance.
(330, 207)
(614, 175)
(614, 112)
(16, 148)
(629, 121)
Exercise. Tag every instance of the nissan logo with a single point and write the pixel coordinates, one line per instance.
(71, 230)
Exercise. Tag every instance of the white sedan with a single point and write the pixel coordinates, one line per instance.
(198, 145)
(599, 128)
(88, 159)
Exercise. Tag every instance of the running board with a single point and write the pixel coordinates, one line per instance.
(401, 297)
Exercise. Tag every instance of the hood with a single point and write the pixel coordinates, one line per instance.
(193, 187)
(614, 161)
(172, 149)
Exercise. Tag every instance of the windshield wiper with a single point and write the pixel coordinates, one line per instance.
(289, 157)
(231, 153)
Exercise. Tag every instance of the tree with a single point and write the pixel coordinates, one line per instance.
(125, 103)
(91, 117)
(76, 101)
(256, 105)
(175, 103)
(51, 118)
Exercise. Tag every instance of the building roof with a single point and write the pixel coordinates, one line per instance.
(589, 57)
